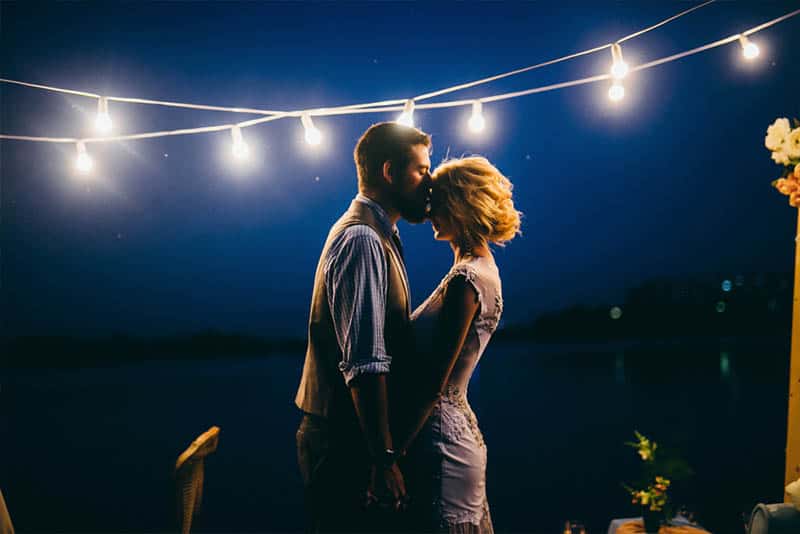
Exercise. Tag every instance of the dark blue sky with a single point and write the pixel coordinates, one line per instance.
(169, 237)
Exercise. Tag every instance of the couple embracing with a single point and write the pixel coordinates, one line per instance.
(387, 440)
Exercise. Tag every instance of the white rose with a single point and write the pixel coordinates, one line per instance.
(776, 134)
(780, 157)
(792, 144)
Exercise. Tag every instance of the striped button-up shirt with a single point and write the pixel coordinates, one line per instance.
(356, 279)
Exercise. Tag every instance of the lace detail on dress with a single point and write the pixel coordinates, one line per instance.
(468, 423)
(467, 522)
(488, 321)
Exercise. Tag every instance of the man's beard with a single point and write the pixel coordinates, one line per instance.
(412, 209)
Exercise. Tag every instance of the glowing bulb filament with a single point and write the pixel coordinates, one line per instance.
(476, 122)
(616, 92)
(618, 68)
(103, 121)
(407, 117)
(240, 148)
(749, 49)
(83, 163)
(313, 135)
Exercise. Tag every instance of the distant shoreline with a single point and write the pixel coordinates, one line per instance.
(699, 307)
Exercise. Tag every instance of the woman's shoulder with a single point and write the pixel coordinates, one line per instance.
(482, 268)
(480, 271)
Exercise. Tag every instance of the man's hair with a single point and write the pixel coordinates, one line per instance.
(385, 141)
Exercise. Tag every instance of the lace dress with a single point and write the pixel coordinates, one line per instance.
(451, 435)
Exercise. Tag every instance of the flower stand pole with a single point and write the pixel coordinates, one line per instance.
(784, 143)
(793, 424)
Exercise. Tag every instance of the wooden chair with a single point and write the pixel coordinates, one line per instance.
(189, 474)
(5, 519)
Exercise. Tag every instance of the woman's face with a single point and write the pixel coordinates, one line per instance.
(443, 227)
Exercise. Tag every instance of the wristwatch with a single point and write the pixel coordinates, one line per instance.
(386, 458)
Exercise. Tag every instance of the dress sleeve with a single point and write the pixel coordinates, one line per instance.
(471, 275)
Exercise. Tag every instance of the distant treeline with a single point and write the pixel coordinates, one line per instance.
(707, 306)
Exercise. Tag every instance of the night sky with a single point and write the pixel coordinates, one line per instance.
(168, 236)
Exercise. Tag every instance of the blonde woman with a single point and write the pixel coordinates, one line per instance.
(471, 208)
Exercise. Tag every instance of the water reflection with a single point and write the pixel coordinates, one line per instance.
(619, 368)
(724, 365)
(548, 413)
(728, 377)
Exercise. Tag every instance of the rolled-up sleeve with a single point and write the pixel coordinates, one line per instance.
(356, 283)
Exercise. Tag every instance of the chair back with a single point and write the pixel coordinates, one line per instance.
(190, 473)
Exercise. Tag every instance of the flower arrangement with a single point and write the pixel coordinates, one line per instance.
(654, 496)
(659, 469)
(784, 143)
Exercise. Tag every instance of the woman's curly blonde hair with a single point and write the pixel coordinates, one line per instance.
(476, 196)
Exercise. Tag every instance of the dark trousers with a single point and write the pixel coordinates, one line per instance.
(335, 473)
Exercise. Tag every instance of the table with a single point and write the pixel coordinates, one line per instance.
(635, 525)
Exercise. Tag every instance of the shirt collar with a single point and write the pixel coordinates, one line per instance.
(380, 213)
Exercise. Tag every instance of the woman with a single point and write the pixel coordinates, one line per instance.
(471, 207)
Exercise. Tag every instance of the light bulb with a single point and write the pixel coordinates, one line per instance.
(749, 49)
(313, 135)
(103, 121)
(240, 148)
(619, 70)
(616, 92)
(83, 163)
(618, 67)
(407, 117)
(476, 122)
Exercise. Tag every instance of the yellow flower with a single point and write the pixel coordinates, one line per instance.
(797, 171)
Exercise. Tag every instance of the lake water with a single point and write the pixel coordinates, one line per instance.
(93, 450)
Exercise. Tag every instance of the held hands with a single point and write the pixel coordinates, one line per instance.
(387, 488)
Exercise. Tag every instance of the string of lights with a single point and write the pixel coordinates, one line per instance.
(619, 70)
(384, 103)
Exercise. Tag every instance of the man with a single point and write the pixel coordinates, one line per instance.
(359, 322)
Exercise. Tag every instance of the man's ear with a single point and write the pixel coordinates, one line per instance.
(387, 171)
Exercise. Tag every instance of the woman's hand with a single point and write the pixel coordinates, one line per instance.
(387, 487)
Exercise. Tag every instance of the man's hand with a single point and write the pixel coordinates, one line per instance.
(387, 488)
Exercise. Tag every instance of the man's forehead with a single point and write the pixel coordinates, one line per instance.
(421, 155)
